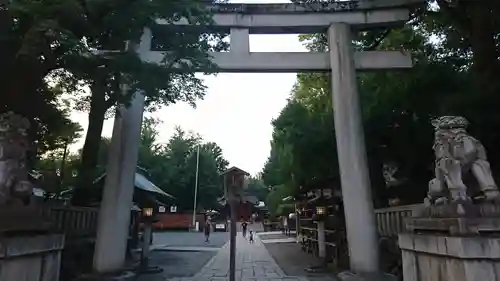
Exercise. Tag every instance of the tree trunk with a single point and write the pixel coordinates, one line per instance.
(32, 153)
(484, 46)
(63, 165)
(90, 151)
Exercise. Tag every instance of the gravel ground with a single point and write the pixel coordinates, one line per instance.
(178, 263)
(293, 261)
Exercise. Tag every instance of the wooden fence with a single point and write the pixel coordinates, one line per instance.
(390, 221)
(81, 221)
(73, 221)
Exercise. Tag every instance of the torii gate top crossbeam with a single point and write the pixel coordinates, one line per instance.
(240, 20)
(291, 8)
(308, 18)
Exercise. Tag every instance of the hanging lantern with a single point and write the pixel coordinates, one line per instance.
(321, 209)
(147, 212)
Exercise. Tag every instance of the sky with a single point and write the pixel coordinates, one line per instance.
(237, 110)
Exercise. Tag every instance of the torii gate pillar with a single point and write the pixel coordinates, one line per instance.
(354, 175)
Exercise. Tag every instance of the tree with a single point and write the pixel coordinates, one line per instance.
(35, 43)
(303, 143)
(275, 199)
(56, 163)
(47, 41)
(114, 23)
(397, 109)
(470, 29)
(149, 149)
(56, 175)
(257, 188)
(180, 155)
(216, 152)
(172, 165)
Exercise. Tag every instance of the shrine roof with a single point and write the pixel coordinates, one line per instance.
(235, 169)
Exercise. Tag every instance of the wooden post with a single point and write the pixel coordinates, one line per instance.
(146, 241)
(234, 180)
(232, 242)
(321, 239)
(297, 224)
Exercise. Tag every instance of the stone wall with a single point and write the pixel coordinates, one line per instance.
(31, 258)
(435, 257)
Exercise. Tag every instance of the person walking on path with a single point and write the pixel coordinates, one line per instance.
(206, 229)
(244, 228)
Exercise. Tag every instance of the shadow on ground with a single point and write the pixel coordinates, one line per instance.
(176, 264)
(180, 263)
(293, 261)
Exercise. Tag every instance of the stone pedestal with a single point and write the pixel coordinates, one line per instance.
(31, 257)
(458, 249)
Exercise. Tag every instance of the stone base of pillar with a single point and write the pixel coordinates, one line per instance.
(124, 276)
(440, 257)
(350, 276)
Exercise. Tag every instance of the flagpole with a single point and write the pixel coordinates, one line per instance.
(196, 186)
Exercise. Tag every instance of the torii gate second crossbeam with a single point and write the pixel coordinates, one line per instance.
(241, 20)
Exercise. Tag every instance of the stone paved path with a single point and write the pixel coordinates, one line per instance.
(253, 263)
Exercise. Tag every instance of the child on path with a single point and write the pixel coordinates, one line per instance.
(250, 239)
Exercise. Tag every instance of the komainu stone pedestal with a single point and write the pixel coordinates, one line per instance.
(31, 257)
(458, 249)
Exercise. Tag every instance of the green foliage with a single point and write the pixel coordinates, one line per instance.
(275, 199)
(257, 188)
(58, 172)
(172, 165)
(396, 107)
(59, 166)
(57, 137)
(115, 22)
(285, 209)
(48, 41)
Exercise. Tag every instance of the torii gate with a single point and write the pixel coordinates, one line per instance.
(337, 20)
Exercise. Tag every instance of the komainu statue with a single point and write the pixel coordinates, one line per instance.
(14, 184)
(458, 153)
